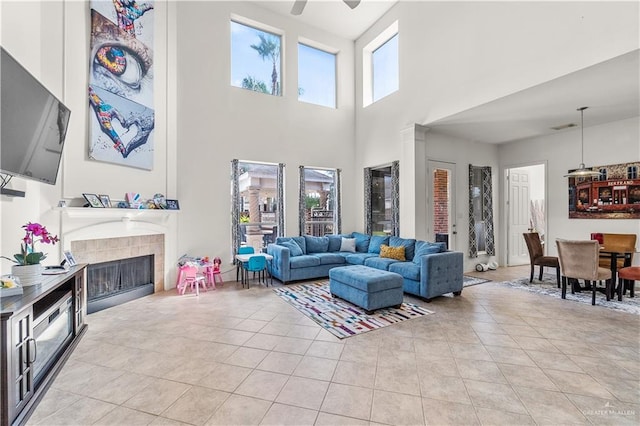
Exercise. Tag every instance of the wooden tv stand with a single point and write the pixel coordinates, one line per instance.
(59, 301)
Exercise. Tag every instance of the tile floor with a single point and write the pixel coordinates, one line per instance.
(234, 356)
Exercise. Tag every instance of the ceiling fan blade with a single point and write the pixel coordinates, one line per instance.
(352, 3)
(298, 7)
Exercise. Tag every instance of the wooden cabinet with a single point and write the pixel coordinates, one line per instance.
(23, 354)
(27, 371)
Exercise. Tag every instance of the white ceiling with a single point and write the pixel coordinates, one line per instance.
(333, 15)
(610, 89)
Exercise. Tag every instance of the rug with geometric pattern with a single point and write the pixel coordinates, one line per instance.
(339, 317)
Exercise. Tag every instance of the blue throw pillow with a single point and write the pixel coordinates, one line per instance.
(408, 243)
(376, 241)
(362, 242)
(294, 248)
(301, 243)
(425, 247)
(316, 244)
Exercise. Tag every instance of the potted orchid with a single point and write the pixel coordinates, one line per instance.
(27, 263)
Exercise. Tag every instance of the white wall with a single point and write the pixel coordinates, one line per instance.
(458, 55)
(462, 152)
(37, 47)
(611, 143)
(453, 56)
(218, 123)
(191, 87)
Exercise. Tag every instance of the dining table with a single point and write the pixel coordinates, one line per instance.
(243, 258)
(616, 253)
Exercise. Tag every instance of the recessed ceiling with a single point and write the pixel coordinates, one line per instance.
(334, 16)
(610, 89)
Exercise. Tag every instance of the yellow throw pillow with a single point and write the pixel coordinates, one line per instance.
(396, 253)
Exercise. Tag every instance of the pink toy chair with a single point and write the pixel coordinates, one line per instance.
(190, 277)
(212, 273)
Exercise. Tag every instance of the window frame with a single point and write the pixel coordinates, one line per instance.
(367, 62)
(325, 49)
(238, 201)
(334, 195)
(259, 26)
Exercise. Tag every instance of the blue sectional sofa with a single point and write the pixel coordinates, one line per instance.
(428, 271)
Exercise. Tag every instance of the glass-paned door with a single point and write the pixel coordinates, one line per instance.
(442, 203)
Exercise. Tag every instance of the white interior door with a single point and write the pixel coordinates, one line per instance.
(441, 202)
(519, 216)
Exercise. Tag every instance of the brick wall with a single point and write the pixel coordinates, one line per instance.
(440, 202)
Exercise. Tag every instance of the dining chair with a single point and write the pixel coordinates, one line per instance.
(579, 260)
(537, 257)
(256, 264)
(620, 241)
(627, 277)
(241, 265)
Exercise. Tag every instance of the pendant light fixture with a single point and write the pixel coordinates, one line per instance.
(582, 171)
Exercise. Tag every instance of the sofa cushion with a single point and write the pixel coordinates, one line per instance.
(335, 241)
(304, 261)
(358, 258)
(330, 258)
(408, 243)
(396, 253)
(375, 243)
(362, 242)
(348, 245)
(425, 247)
(379, 262)
(294, 248)
(316, 244)
(408, 270)
(299, 240)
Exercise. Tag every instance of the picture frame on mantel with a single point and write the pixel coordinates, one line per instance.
(173, 205)
(105, 200)
(93, 200)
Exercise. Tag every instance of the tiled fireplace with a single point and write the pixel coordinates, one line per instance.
(96, 236)
(109, 249)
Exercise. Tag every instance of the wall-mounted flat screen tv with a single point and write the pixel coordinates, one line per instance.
(33, 124)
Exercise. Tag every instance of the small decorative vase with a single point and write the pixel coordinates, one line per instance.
(28, 274)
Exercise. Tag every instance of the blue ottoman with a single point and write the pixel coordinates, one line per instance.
(366, 287)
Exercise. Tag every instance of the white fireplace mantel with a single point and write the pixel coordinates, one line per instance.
(81, 223)
(114, 213)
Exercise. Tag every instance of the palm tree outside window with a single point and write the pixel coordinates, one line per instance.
(255, 59)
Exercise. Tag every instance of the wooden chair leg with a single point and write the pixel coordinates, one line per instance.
(531, 277)
(558, 276)
(540, 275)
(564, 287)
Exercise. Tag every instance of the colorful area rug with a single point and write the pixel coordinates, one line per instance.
(469, 281)
(548, 286)
(340, 317)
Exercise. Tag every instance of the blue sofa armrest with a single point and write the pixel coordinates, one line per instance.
(441, 273)
(280, 268)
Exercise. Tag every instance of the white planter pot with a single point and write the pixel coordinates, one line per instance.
(28, 274)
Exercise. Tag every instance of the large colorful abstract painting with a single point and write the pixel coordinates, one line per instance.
(615, 194)
(120, 91)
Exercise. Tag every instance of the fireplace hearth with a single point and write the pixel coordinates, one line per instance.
(115, 282)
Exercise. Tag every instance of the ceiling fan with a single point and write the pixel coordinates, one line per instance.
(299, 5)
